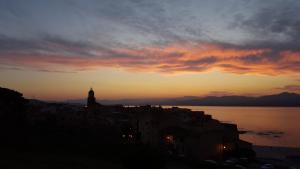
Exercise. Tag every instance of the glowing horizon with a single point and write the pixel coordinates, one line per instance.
(112, 85)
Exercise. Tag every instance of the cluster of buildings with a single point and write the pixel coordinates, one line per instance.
(179, 132)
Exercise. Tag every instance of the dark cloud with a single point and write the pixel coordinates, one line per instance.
(267, 134)
(293, 88)
(234, 68)
(46, 43)
(251, 59)
(274, 26)
(220, 93)
(9, 44)
(6, 67)
(202, 61)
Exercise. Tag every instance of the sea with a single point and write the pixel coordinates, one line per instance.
(262, 126)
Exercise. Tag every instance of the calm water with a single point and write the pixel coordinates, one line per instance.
(272, 126)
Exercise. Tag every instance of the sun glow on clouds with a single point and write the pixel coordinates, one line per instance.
(170, 59)
(196, 69)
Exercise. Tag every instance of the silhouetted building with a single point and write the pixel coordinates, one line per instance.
(91, 98)
(178, 132)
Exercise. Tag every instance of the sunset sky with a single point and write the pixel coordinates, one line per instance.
(58, 49)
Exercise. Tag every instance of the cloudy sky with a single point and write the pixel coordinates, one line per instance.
(58, 49)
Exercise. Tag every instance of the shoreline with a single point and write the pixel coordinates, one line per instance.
(276, 152)
(280, 156)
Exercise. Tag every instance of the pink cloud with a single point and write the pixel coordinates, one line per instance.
(173, 58)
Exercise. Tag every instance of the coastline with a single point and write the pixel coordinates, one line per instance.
(276, 152)
(289, 156)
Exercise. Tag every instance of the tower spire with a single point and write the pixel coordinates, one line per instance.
(91, 100)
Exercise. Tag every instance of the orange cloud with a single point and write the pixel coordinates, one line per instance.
(173, 58)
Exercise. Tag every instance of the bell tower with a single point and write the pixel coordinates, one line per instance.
(91, 100)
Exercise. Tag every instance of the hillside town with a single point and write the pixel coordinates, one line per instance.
(176, 133)
(182, 132)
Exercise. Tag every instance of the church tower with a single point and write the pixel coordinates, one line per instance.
(91, 98)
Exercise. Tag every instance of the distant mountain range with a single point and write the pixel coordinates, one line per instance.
(282, 99)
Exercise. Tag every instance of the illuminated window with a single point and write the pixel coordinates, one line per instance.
(169, 139)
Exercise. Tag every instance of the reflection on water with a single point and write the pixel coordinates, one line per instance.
(272, 126)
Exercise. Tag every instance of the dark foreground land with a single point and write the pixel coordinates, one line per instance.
(12, 158)
(74, 158)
